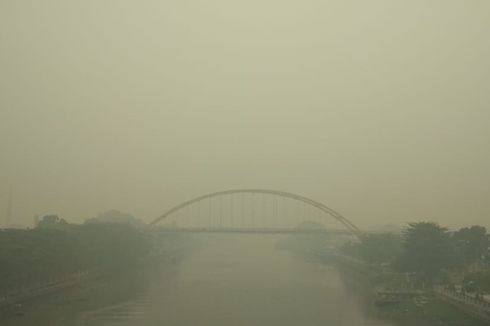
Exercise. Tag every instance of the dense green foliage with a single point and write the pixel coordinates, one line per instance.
(480, 280)
(28, 256)
(428, 249)
(376, 248)
(471, 244)
(52, 222)
(425, 250)
(115, 217)
(56, 248)
(434, 312)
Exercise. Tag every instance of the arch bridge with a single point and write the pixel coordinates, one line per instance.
(252, 211)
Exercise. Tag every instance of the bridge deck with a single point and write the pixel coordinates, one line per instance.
(251, 230)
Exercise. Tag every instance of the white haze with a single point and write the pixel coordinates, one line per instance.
(379, 109)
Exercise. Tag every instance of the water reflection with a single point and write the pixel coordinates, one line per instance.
(240, 280)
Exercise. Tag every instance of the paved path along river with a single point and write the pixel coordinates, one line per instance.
(240, 280)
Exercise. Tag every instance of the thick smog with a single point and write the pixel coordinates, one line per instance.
(222, 163)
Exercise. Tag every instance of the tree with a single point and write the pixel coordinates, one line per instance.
(111, 246)
(28, 256)
(471, 244)
(116, 217)
(427, 250)
(56, 248)
(376, 248)
(52, 222)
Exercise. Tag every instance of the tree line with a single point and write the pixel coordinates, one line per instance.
(428, 252)
(55, 248)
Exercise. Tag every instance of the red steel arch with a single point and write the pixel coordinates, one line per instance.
(334, 214)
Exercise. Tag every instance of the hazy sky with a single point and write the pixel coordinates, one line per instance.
(380, 109)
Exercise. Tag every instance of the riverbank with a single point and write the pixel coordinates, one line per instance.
(434, 312)
(423, 309)
(66, 306)
(63, 308)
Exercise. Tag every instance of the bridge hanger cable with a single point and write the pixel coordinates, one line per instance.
(344, 221)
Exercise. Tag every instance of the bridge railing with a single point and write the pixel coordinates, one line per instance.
(20, 293)
(478, 305)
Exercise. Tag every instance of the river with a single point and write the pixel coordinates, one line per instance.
(239, 280)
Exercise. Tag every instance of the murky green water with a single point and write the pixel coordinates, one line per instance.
(239, 280)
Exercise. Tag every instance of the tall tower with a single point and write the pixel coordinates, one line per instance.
(8, 220)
